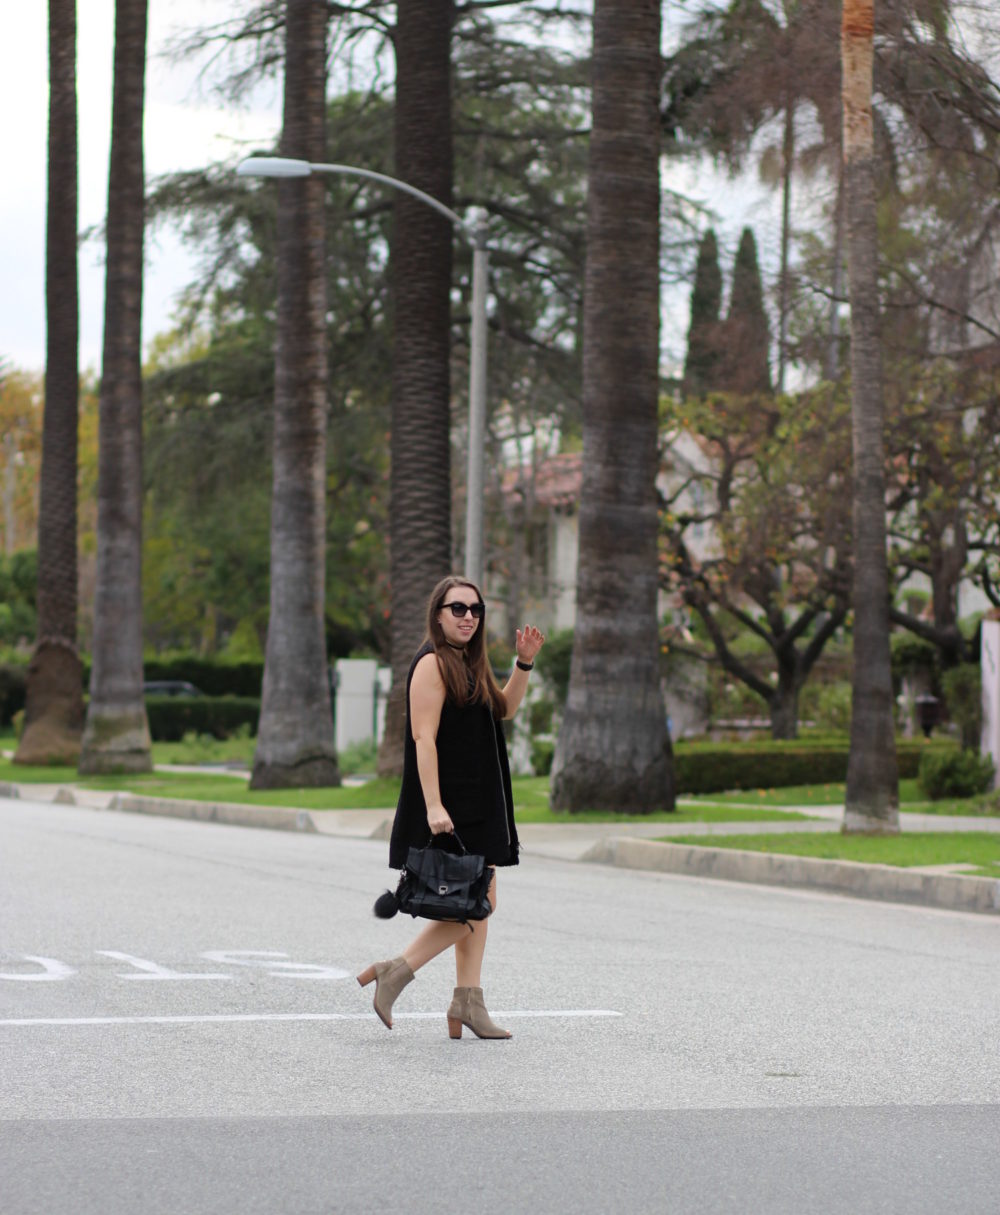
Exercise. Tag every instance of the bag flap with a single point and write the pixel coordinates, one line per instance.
(437, 868)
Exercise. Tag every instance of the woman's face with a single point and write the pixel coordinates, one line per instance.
(458, 630)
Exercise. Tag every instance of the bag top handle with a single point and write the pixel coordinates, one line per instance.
(445, 835)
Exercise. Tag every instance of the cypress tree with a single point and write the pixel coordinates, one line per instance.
(745, 335)
(702, 365)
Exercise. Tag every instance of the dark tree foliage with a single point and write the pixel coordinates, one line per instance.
(744, 335)
(521, 155)
(702, 369)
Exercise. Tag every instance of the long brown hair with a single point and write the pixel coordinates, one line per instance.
(457, 667)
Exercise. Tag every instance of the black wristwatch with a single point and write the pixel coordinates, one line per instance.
(524, 666)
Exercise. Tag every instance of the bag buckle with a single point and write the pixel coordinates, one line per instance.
(442, 890)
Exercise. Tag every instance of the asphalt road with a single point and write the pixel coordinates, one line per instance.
(180, 1032)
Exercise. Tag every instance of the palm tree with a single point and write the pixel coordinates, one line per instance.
(116, 735)
(295, 745)
(613, 750)
(872, 797)
(53, 719)
(746, 63)
(421, 263)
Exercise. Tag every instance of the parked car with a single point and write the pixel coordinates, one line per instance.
(170, 687)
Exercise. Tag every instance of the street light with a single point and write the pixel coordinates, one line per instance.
(279, 166)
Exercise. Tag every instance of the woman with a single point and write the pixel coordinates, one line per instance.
(455, 776)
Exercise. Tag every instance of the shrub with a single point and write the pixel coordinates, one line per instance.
(962, 687)
(833, 706)
(171, 717)
(542, 751)
(540, 715)
(955, 774)
(13, 689)
(212, 677)
(912, 655)
(712, 768)
(358, 757)
(553, 664)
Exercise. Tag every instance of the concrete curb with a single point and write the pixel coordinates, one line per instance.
(952, 892)
(887, 882)
(271, 818)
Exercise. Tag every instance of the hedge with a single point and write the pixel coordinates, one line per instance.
(212, 678)
(171, 717)
(241, 679)
(955, 773)
(708, 768)
(13, 688)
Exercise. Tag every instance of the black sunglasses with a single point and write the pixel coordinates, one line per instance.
(458, 610)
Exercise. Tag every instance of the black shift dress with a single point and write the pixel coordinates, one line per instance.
(474, 778)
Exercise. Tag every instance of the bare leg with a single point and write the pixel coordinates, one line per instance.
(469, 949)
(441, 934)
(434, 939)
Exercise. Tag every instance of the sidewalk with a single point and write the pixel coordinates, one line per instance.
(627, 845)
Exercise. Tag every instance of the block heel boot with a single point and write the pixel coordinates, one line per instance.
(390, 979)
(467, 1008)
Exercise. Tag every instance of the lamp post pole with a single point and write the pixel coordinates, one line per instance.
(279, 166)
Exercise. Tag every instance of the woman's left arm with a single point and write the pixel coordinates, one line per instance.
(529, 641)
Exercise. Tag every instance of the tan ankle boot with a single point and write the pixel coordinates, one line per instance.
(390, 979)
(467, 1008)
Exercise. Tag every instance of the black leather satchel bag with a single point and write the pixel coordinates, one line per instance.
(441, 885)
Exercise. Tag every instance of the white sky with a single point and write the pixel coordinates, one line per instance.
(186, 127)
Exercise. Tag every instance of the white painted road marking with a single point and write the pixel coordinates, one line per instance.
(229, 1018)
(270, 961)
(54, 970)
(153, 970)
(274, 963)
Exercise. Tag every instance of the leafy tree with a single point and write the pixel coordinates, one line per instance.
(210, 387)
(116, 735)
(21, 409)
(702, 372)
(755, 533)
(744, 335)
(740, 67)
(295, 734)
(18, 581)
(872, 794)
(522, 134)
(53, 720)
(613, 749)
(745, 68)
(944, 519)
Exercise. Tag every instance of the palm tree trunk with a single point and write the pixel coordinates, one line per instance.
(295, 744)
(420, 484)
(831, 368)
(116, 736)
(872, 797)
(53, 719)
(613, 750)
(784, 286)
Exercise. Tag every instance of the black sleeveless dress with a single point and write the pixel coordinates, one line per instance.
(474, 778)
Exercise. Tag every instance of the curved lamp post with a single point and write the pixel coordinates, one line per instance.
(278, 166)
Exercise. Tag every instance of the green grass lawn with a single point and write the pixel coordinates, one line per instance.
(531, 795)
(910, 799)
(979, 848)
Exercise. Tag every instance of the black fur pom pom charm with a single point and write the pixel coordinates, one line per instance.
(386, 905)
